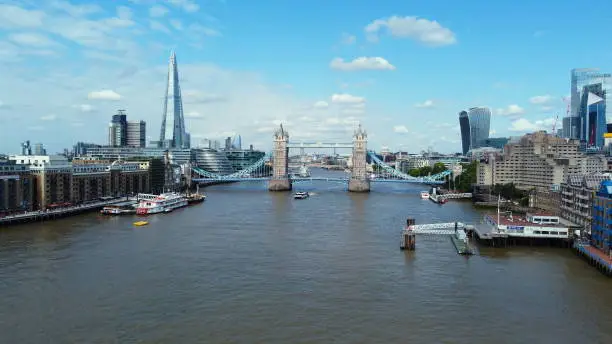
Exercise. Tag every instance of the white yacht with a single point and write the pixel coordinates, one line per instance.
(166, 202)
(424, 195)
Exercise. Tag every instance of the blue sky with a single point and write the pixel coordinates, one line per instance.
(403, 69)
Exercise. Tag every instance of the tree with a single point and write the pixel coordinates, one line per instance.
(438, 168)
(467, 178)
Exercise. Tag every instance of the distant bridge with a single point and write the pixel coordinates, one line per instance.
(256, 172)
(278, 163)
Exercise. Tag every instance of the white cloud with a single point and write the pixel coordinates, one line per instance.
(541, 100)
(345, 98)
(84, 108)
(176, 24)
(75, 10)
(17, 17)
(400, 129)
(193, 96)
(511, 110)
(348, 39)
(104, 95)
(361, 63)
(31, 39)
(426, 104)
(157, 11)
(524, 125)
(157, 26)
(50, 117)
(194, 115)
(187, 5)
(546, 108)
(197, 29)
(420, 29)
(321, 105)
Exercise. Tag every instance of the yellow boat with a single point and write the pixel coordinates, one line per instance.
(141, 223)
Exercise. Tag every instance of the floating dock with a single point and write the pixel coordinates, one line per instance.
(457, 235)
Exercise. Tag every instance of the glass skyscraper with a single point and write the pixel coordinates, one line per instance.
(173, 133)
(475, 125)
(578, 125)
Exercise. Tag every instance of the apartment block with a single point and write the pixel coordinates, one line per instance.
(601, 234)
(16, 187)
(539, 161)
(57, 182)
(577, 194)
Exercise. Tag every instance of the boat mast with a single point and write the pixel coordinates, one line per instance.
(498, 200)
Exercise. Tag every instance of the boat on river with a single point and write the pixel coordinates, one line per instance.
(166, 202)
(301, 195)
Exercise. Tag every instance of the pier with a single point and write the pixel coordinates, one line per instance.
(33, 216)
(457, 231)
(594, 256)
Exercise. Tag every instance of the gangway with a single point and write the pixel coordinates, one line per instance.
(455, 230)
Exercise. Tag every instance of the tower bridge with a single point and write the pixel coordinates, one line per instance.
(359, 179)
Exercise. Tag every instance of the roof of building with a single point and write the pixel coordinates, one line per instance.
(521, 221)
(605, 188)
(591, 181)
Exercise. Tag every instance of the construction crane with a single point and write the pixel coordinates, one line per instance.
(555, 125)
(564, 99)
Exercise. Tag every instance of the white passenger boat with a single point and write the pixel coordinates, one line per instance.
(301, 195)
(166, 202)
(424, 194)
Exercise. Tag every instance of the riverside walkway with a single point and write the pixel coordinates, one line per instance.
(43, 215)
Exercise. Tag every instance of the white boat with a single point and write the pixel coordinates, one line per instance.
(166, 202)
(301, 195)
(424, 194)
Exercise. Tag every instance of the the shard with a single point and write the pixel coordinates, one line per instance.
(173, 133)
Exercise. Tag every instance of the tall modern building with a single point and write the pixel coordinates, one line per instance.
(173, 133)
(583, 82)
(136, 134)
(117, 130)
(475, 125)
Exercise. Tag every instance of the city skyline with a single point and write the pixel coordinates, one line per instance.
(240, 75)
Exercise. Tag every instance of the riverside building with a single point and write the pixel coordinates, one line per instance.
(539, 161)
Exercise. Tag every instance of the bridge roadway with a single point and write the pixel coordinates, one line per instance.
(325, 179)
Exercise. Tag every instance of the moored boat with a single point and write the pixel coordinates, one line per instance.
(117, 210)
(424, 194)
(195, 198)
(301, 195)
(153, 204)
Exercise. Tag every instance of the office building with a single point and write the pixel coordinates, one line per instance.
(241, 159)
(581, 78)
(577, 193)
(173, 133)
(593, 124)
(475, 125)
(538, 160)
(237, 142)
(39, 149)
(136, 134)
(26, 149)
(228, 143)
(601, 235)
(117, 130)
(212, 161)
(495, 142)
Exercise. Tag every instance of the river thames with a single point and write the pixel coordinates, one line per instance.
(250, 266)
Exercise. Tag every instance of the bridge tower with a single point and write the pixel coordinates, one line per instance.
(280, 169)
(359, 182)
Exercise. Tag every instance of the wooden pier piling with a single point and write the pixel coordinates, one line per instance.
(408, 241)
